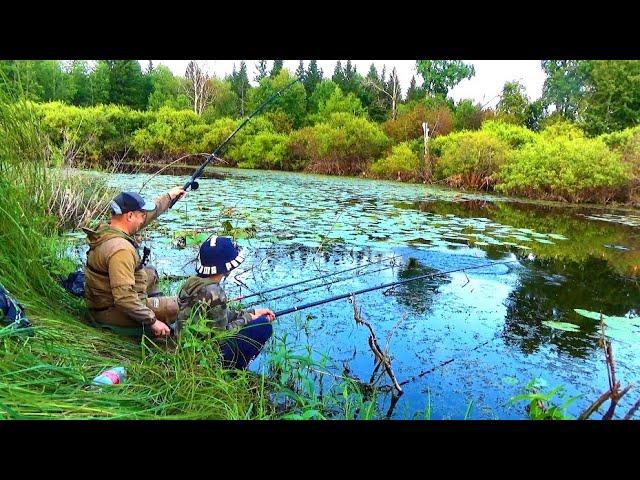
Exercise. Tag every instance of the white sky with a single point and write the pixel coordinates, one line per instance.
(483, 87)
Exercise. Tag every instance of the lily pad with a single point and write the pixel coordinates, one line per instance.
(557, 236)
(568, 327)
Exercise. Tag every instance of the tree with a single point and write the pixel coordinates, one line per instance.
(261, 68)
(126, 84)
(99, 83)
(80, 81)
(612, 95)
(300, 71)
(23, 75)
(513, 102)
(320, 95)
(338, 74)
(312, 77)
(198, 88)
(340, 102)
(565, 85)
(166, 90)
(55, 81)
(373, 98)
(224, 101)
(292, 102)
(441, 75)
(277, 66)
(391, 90)
(240, 86)
(467, 115)
(414, 92)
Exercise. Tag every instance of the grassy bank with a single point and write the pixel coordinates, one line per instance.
(46, 370)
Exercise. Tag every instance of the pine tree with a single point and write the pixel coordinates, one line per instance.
(99, 80)
(261, 68)
(300, 71)
(240, 85)
(312, 77)
(414, 92)
(126, 84)
(338, 75)
(277, 66)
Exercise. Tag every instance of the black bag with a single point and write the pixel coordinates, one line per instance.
(75, 283)
(11, 312)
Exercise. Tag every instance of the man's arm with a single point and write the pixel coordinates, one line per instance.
(162, 204)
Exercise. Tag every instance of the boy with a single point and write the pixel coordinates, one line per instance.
(217, 257)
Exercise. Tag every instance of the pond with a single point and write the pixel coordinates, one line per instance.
(462, 343)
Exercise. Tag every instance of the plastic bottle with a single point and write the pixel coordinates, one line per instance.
(112, 376)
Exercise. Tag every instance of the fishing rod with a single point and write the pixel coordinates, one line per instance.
(192, 181)
(242, 297)
(378, 287)
(318, 286)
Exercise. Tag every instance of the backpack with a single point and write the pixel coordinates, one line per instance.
(75, 283)
(11, 312)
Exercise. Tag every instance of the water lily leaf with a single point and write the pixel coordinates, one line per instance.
(557, 236)
(510, 380)
(588, 314)
(568, 327)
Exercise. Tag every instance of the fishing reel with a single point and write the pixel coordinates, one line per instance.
(194, 185)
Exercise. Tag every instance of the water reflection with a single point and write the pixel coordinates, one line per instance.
(540, 296)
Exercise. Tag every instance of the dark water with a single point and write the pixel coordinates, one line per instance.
(469, 336)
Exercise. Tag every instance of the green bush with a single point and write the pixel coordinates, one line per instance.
(263, 150)
(619, 141)
(562, 129)
(403, 163)
(91, 133)
(471, 159)
(513, 135)
(171, 132)
(568, 168)
(344, 144)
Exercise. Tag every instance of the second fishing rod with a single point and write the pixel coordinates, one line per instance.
(269, 290)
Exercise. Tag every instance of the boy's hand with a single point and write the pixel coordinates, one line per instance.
(266, 312)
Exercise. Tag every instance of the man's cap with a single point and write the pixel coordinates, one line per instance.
(218, 255)
(130, 202)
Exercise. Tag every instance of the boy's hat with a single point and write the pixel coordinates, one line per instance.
(218, 255)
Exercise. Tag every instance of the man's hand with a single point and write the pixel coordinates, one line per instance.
(266, 312)
(160, 329)
(176, 193)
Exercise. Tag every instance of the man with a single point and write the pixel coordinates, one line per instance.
(202, 298)
(117, 284)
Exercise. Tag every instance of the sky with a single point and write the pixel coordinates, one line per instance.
(483, 87)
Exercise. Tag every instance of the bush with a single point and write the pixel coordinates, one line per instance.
(408, 124)
(91, 133)
(171, 133)
(344, 144)
(567, 168)
(471, 159)
(562, 129)
(513, 135)
(467, 116)
(403, 163)
(619, 141)
(263, 150)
